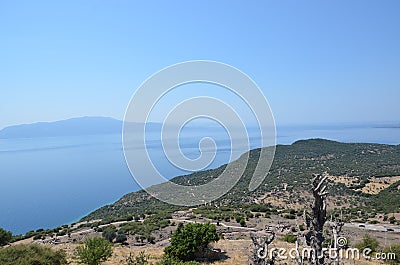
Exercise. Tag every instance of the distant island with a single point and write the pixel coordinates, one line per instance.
(390, 127)
(69, 127)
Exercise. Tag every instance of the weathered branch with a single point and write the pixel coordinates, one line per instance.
(318, 218)
(261, 240)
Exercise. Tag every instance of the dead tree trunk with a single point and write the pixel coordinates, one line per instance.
(318, 218)
(261, 240)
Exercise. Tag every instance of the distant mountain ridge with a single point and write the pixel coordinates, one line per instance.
(69, 127)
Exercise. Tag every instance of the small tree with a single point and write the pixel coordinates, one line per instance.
(109, 232)
(121, 238)
(95, 251)
(191, 240)
(5, 237)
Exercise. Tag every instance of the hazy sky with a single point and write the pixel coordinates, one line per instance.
(316, 61)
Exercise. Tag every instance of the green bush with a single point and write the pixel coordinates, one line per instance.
(191, 240)
(385, 218)
(367, 242)
(289, 238)
(62, 232)
(392, 219)
(238, 218)
(289, 216)
(151, 239)
(121, 238)
(94, 251)
(141, 259)
(32, 255)
(109, 232)
(5, 237)
(38, 236)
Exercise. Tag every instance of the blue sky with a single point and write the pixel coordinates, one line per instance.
(316, 61)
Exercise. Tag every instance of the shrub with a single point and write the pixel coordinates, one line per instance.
(109, 232)
(121, 238)
(141, 259)
(367, 242)
(289, 238)
(238, 219)
(289, 216)
(385, 218)
(94, 251)
(62, 232)
(191, 240)
(32, 255)
(150, 239)
(5, 237)
(38, 236)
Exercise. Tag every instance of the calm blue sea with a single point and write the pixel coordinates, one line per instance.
(47, 182)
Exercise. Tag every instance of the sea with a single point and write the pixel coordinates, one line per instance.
(50, 181)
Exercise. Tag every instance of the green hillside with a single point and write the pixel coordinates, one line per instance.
(293, 165)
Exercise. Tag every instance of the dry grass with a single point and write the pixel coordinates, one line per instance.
(376, 185)
(348, 181)
(237, 252)
(120, 253)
